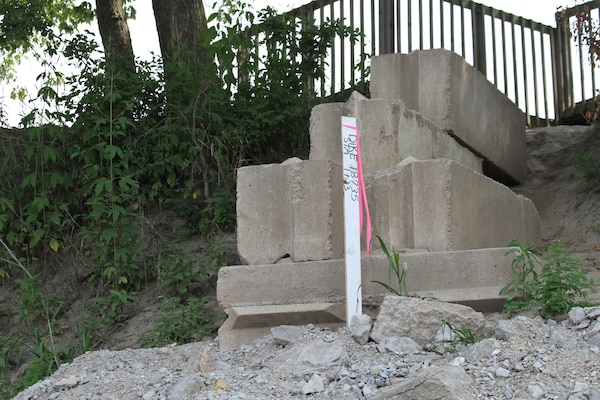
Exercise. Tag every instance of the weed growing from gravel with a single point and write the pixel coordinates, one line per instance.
(524, 271)
(561, 285)
(395, 269)
(457, 336)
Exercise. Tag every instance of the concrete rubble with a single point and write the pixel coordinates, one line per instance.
(520, 358)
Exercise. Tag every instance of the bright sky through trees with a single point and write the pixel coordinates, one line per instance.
(145, 38)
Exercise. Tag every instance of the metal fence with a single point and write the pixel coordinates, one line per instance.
(576, 73)
(537, 66)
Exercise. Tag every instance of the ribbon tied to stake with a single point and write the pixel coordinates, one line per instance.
(363, 203)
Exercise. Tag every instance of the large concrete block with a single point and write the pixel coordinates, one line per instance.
(459, 99)
(389, 133)
(441, 205)
(290, 210)
(326, 131)
(258, 297)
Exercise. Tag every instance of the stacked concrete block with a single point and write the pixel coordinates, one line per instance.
(432, 137)
(459, 99)
(290, 210)
(389, 133)
(439, 205)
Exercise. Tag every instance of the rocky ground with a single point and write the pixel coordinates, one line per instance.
(525, 357)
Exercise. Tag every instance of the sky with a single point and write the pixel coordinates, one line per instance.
(145, 39)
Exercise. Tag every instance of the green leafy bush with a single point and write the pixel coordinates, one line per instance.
(524, 267)
(181, 321)
(561, 285)
(84, 169)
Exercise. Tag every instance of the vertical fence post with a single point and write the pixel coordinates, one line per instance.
(561, 62)
(386, 27)
(479, 52)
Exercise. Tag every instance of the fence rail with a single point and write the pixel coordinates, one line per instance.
(534, 64)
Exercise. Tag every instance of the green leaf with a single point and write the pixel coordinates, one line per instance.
(54, 245)
(103, 184)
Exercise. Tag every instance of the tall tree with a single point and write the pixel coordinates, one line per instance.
(181, 25)
(116, 39)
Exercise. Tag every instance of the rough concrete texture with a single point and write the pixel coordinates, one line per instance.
(290, 210)
(389, 133)
(459, 99)
(325, 132)
(430, 314)
(314, 292)
(440, 205)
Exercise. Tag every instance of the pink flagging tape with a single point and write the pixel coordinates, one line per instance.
(363, 202)
(362, 197)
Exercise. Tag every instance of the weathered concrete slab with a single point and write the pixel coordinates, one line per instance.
(389, 131)
(245, 324)
(258, 297)
(441, 205)
(291, 210)
(459, 99)
(294, 210)
(326, 132)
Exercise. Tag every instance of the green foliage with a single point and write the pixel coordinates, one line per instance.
(181, 321)
(589, 168)
(524, 270)
(458, 336)
(10, 353)
(30, 25)
(395, 269)
(176, 273)
(83, 169)
(561, 285)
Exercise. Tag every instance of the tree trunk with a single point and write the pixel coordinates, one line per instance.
(112, 23)
(181, 25)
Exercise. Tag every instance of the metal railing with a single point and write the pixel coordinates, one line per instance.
(576, 73)
(533, 64)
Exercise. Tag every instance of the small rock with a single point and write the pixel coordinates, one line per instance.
(593, 312)
(286, 334)
(480, 350)
(207, 361)
(577, 315)
(504, 330)
(149, 395)
(399, 345)
(187, 386)
(535, 391)
(580, 386)
(502, 373)
(220, 386)
(314, 385)
(360, 328)
(368, 391)
(458, 361)
(594, 327)
(64, 384)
